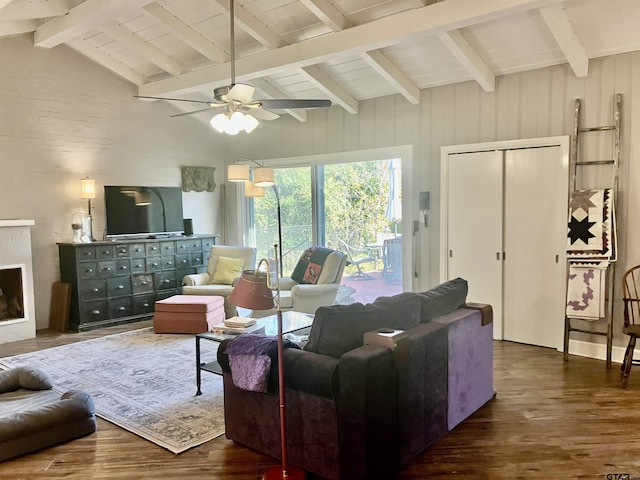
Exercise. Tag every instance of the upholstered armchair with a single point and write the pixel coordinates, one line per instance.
(314, 282)
(226, 264)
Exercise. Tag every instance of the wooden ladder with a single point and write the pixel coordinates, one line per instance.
(574, 165)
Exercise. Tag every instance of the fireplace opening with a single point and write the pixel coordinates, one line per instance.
(11, 295)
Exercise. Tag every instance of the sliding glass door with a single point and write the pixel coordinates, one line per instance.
(352, 207)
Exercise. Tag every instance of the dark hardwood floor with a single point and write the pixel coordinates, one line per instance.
(549, 420)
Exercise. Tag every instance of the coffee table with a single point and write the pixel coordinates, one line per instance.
(291, 322)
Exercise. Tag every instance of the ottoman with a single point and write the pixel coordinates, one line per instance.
(188, 314)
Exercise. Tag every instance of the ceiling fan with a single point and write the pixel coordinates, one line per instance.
(240, 108)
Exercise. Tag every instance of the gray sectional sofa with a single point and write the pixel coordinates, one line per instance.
(358, 411)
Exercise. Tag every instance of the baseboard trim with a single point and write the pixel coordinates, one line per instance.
(596, 350)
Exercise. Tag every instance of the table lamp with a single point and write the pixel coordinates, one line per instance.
(255, 291)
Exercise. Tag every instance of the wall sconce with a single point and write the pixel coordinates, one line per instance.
(424, 206)
(88, 186)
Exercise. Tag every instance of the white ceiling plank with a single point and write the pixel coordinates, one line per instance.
(568, 41)
(107, 61)
(133, 42)
(81, 19)
(470, 59)
(33, 10)
(392, 74)
(327, 14)
(187, 34)
(387, 31)
(273, 92)
(335, 92)
(251, 25)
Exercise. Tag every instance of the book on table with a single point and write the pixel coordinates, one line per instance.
(225, 330)
(239, 322)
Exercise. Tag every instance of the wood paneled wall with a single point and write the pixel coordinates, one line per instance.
(538, 103)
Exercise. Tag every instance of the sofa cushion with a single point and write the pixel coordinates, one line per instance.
(443, 299)
(337, 329)
(227, 270)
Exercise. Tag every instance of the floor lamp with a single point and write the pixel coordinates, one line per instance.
(263, 177)
(255, 291)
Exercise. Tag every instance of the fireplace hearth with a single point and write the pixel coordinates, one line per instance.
(17, 306)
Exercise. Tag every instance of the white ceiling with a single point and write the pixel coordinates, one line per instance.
(343, 50)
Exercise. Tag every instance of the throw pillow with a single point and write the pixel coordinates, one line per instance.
(310, 265)
(227, 270)
(443, 299)
(338, 329)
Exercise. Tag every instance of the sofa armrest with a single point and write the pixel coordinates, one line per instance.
(304, 290)
(368, 409)
(287, 283)
(194, 279)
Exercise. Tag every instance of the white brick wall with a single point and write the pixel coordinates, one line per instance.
(63, 117)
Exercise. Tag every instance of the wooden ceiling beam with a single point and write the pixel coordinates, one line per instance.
(251, 25)
(327, 14)
(145, 49)
(187, 34)
(87, 16)
(469, 58)
(107, 61)
(384, 32)
(567, 39)
(392, 74)
(331, 89)
(33, 10)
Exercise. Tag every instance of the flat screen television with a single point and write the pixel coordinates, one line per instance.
(136, 211)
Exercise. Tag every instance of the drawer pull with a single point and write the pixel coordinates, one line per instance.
(121, 309)
(154, 264)
(95, 312)
(106, 269)
(153, 249)
(166, 280)
(168, 264)
(124, 250)
(95, 290)
(106, 252)
(123, 267)
(89, 270)
(184, 262)
(144, 283)
(198, 259)
(119, 287)
(138, 265)
(138, 249)
(145, 304)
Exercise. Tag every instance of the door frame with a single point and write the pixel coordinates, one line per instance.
(562, 141)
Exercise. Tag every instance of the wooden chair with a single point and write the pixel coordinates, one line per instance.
(631, 299)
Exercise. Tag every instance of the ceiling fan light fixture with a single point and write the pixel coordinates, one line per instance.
(263, 177)
(250, 123)
(219, 122)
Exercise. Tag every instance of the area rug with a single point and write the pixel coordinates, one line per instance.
(142, 382)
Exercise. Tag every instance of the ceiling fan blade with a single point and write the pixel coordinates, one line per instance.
(195, 111)
(241, 93)
(263, 114)
(294, 103)
(176, 100)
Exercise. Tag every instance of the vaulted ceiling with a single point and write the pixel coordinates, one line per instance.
(342, 50)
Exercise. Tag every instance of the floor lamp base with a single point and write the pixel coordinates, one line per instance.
(276, 473)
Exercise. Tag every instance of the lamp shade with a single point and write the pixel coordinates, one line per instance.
(252, 291)
(238, 173)
(88, 188)
(263, 177)
(251, 190)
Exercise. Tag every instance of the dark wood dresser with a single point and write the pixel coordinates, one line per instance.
(120, 281)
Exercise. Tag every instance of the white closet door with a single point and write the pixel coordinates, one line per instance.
(535, 236)
(474, 226)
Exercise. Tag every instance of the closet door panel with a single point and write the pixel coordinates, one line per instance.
(474, 226)
(535, 232)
